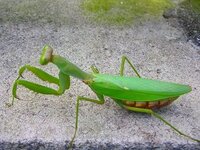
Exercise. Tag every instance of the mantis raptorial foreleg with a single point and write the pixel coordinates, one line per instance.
(63, 82)
(81, 98)
(149, 111)
(39, 73)
(122, 66)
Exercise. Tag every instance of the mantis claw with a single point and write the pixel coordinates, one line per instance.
(10, 104)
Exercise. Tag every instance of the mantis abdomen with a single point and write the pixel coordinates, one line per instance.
(150, 105)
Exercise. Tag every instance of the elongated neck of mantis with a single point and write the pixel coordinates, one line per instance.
(69, 68)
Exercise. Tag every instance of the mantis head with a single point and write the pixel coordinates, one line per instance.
(46, 55)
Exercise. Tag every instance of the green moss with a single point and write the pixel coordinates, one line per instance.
(33, 10)
(192, 4)
(124, 11)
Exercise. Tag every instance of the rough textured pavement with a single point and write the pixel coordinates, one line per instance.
(158, 49)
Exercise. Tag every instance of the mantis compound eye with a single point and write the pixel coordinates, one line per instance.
(46, 55)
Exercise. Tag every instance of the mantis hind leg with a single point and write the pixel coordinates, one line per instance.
(124, 58)
(149, 111)
(63, 82)
(81, 98)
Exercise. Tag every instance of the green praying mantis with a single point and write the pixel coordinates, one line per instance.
(132, 93)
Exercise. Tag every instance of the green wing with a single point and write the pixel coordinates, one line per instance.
(136, 89)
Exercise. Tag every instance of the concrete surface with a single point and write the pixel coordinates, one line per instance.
(158, 50)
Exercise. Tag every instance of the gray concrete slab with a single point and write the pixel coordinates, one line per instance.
(158, 50)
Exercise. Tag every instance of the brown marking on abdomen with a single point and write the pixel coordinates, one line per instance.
(150, 105)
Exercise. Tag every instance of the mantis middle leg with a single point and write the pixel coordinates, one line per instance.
(81, 98)
(124, 58)
(63, 82)
(149, 111)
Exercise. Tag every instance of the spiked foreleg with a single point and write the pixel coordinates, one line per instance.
(63, 82)
(39, 73)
